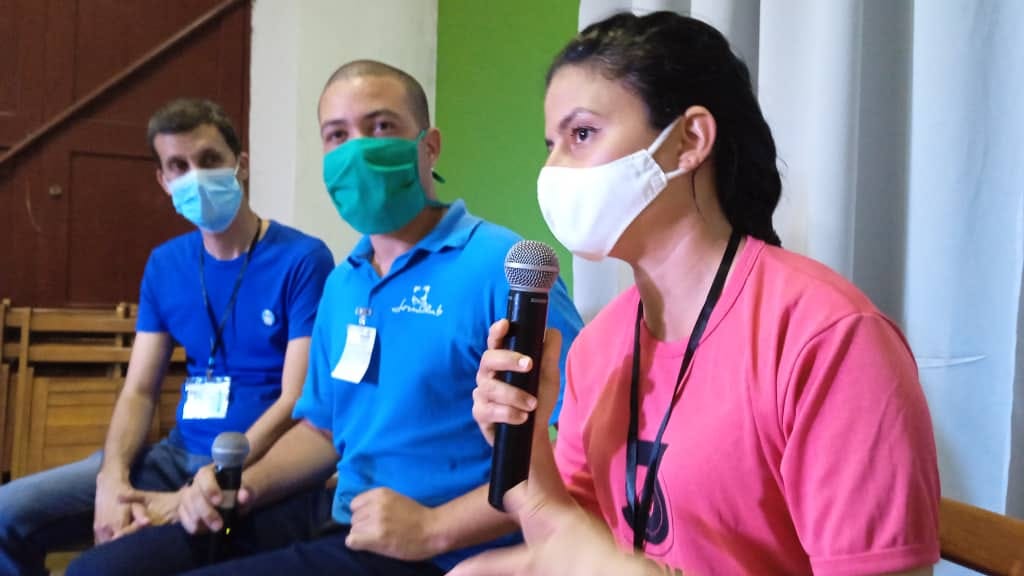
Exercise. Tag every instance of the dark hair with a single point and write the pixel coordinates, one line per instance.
(187, 114)
(416, 97)
(672, 62)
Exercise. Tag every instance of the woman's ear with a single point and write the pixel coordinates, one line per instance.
(697, 131)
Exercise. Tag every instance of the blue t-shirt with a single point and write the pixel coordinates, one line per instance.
(408, 425)
(276, 303)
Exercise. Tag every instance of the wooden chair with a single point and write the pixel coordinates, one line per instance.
(70, 367)
(981, 540)
(5, 462)
(7, 404)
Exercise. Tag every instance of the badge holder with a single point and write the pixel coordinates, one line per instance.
(355, 359)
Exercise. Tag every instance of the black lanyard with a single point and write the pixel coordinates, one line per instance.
(216, 340)
(641, 510)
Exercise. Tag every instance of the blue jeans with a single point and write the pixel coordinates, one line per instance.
(170, 549)
(324, 555)
(54, 509)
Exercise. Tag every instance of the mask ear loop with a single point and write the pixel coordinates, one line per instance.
(245, 191)
(678, 171)
(656, 145)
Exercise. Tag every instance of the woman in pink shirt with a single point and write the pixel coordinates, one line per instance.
(741, 409)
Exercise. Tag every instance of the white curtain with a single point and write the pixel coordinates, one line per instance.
(898, 127)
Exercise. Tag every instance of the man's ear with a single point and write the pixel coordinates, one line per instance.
(432, 142)
(243, 167)
(160, 181)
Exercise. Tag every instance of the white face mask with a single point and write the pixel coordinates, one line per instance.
(588, 209)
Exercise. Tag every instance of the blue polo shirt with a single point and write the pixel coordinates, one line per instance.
(277, 302)
(408, 425)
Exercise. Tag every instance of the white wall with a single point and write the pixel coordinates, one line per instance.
(296, 45)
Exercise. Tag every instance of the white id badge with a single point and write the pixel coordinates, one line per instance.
(206, 398)
(355, 360)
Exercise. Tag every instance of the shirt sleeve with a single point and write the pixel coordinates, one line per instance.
(562, 314)
(570, 454)
(316, 403)
(305, 290)
(149, 317)
(859, 469)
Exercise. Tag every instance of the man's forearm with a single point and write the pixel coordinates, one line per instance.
(269, 428)
(129, 425)
(133, 412)
(467, 521)
(303, 457)
(277, 420)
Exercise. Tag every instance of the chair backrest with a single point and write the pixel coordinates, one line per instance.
(981, 540)
(9, 357)
(64, 370)
(5, 422)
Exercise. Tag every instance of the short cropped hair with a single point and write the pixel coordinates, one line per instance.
(187, 114)
(417, 98)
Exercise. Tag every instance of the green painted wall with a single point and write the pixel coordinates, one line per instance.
(491, 59)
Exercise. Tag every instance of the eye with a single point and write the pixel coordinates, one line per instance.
(384, 127)
(582, 134)
(211, 160)
(176, 168)
(335, 137)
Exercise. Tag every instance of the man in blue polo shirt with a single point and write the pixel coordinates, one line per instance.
(398, 338)
(240, 294)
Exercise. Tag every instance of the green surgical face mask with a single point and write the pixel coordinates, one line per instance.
(375, 183)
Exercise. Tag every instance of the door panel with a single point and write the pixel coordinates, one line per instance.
(214, 64)
(21, 49)
(26, 229)
(97, 207)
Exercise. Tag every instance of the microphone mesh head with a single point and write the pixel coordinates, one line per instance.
(230, 449)
(531, 266)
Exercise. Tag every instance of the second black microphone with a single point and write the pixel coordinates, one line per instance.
(531, 269)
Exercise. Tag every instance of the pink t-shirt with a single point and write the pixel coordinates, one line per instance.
(801, 441)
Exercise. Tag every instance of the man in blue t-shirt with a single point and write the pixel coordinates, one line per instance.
(387, 402)
(240, 294)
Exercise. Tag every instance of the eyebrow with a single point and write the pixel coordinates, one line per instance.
(208, 149)
(381, 112)
(205, 150)
(573, 114)
(372, 115)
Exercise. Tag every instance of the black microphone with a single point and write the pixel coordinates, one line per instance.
(531, 269)
(230, 449)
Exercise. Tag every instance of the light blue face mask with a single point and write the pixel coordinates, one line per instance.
(208, 198)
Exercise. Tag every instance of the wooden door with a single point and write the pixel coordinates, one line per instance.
(21, 108)
(80, 211)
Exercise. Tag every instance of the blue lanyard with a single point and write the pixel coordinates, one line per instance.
(641, 510)
(217, 339)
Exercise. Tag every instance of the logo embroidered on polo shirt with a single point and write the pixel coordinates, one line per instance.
(419, 304)
(268, 317)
